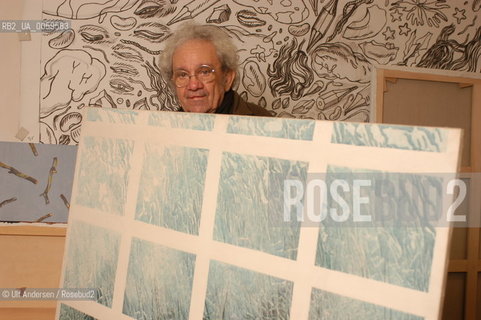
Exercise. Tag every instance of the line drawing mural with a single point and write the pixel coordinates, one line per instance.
(293, 54)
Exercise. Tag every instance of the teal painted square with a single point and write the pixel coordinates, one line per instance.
(390, 136)
(250, 203)
(236, 293)
(159, 282)
(326, 305)
(91, 259)
(295, 129)
(397, 245)
(104, 174)
(69, 313)
(171, 187)
(184, 120)
(121, 116)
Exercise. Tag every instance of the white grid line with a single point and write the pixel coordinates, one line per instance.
(129, 214)
(206, 227)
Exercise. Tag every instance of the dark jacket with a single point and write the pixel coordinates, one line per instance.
(242, 107)
(234, 104)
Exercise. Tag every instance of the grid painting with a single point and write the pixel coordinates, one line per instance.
(189, 213)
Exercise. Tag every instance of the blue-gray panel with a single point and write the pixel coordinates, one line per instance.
(159, 282)
(390, 136)
(326, 305)
(203, 122)
(236, 293)
(172, 187)
(91, 260)
(21, 199)
(295, 129)
(250, 203)
(103, 174)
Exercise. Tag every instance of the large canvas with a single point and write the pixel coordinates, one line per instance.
(183, 216)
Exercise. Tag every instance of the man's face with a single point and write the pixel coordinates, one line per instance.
(197, 96)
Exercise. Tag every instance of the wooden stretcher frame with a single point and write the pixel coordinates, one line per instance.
(471, 265)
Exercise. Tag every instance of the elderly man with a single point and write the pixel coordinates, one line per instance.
(201, 62)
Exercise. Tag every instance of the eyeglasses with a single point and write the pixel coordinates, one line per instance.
(204, 74)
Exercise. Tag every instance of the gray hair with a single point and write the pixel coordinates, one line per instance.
(225, 48)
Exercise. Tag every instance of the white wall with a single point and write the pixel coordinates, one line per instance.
(10, 56)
